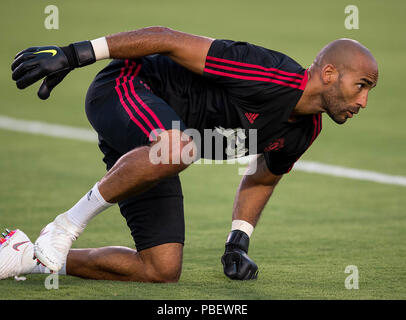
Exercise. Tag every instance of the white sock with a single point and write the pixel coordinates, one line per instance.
(242, 225)
(88, 207)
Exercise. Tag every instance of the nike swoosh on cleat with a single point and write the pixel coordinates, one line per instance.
(53, 51)
(15, 247)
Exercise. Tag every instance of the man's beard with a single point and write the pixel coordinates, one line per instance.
(333, 103)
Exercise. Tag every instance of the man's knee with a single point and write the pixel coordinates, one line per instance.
(166, 274)
(163, 263)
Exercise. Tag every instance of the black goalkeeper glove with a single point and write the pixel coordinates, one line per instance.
(53, 63)
(236, 263)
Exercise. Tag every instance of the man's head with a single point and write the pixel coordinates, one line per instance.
(347, 71)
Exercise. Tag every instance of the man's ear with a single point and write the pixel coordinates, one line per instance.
(329, 74)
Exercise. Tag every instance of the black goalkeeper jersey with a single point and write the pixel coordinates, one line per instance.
(243, 86)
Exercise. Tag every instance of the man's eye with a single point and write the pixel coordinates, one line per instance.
(360, 85)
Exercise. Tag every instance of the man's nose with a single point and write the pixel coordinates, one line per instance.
(363, 100)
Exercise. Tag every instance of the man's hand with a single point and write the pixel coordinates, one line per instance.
(51, 62)
(236, 263)
(36, 63)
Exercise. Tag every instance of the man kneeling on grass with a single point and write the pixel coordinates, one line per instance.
(160, 77)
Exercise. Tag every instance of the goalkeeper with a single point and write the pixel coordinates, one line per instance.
(160, 83)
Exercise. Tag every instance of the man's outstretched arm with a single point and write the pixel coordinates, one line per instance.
(53, 63)
(186, 49)
(252, 195)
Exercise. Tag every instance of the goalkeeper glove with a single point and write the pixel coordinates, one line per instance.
(236, 263)
(51, 62)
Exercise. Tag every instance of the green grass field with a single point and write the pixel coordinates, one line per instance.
(313, 227)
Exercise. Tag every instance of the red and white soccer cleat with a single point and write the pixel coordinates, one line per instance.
(54, 242)
(16, 252)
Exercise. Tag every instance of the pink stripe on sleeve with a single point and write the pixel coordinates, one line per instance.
(249, 65)
(250, 78)
(218, 66)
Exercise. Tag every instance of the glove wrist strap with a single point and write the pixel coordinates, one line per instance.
(238, 239)
(79, 54)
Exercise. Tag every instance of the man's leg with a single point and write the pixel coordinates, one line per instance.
(162, 263)
(156, 220)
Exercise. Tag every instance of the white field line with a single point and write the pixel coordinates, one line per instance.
(61, 131)
(47, 129)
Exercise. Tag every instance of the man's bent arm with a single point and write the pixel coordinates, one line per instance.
(254, 192)
(252, 196)
(186, 49)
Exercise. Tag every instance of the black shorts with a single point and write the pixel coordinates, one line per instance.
(124, 111)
